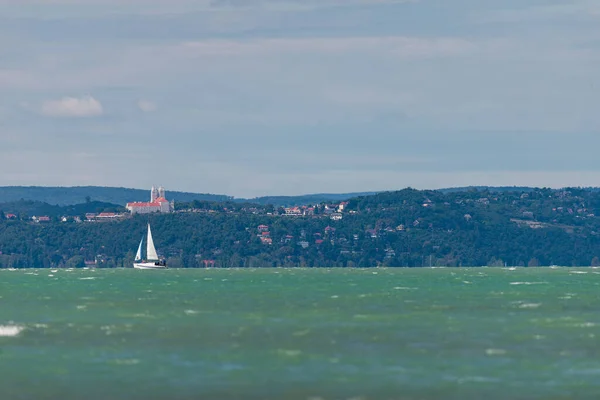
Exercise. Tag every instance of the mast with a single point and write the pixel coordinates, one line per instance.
(150, 250)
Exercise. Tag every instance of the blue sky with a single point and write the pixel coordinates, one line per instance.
(257, 97)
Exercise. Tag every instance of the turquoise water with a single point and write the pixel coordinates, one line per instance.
(494, 333)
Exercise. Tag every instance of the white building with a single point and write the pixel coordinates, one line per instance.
(158, 203)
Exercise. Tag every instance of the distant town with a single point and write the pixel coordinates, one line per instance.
(158, 204)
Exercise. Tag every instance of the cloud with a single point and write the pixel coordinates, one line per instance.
(146, 106)
(85, 106)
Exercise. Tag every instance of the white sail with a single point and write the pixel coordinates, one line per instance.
(138, 255)
(150, 250)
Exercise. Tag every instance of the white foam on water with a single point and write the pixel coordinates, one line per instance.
(478, 379)
(404, 288)
(577, 272)
(108, 329)
(586, 325)
(530, 305)
(335, 296)
(495, 352)
(50, 275)
(10, 330)
(53, 270)
(88, 278)
(467, 282)
(190, 312)
(131, 361)
(289, 353)
(81, 307)
(140, 315)
(528, 283)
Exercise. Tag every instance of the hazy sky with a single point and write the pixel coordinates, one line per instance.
(256, 97)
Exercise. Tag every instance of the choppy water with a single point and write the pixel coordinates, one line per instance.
(530, 333)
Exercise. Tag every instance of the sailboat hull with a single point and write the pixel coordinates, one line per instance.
(148, 265)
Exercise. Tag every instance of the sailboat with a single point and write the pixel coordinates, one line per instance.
(152, 261)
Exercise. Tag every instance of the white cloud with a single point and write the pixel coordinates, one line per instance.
(85, 106)
(146, 106)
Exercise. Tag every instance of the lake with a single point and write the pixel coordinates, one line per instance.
(447, 333)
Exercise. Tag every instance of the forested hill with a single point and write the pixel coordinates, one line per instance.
(24, 209)
(407, 228)
(79, 194)
(116, 195)
(300, 200)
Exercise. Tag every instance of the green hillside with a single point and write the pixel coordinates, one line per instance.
(407, 228)
(79, 194)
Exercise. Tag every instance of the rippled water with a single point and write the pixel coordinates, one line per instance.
(494, 333)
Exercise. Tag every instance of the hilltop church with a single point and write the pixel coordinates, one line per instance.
(158, 203)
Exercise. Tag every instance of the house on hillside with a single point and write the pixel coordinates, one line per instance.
(336, 216)
(263, 228)
(293, 211)
(108, 216)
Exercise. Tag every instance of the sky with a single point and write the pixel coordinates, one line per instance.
(284, 97)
